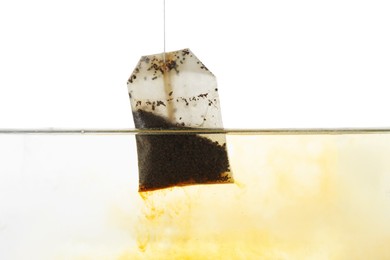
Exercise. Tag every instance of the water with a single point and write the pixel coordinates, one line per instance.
(299, 194)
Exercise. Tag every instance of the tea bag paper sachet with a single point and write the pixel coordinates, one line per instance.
(178, 93)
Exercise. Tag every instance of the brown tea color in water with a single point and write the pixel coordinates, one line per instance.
(177, 159)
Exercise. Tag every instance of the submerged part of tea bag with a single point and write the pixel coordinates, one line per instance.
(177, 91)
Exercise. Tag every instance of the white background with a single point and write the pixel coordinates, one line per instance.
(278, 63)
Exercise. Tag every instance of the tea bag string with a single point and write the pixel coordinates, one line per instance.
(164, 40)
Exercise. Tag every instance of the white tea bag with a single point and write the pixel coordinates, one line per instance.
(177, 91)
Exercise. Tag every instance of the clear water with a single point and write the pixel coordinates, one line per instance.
(300, 194)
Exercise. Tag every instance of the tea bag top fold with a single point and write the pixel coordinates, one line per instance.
(182, 90)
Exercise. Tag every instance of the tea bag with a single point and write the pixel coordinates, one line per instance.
(176, 91)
